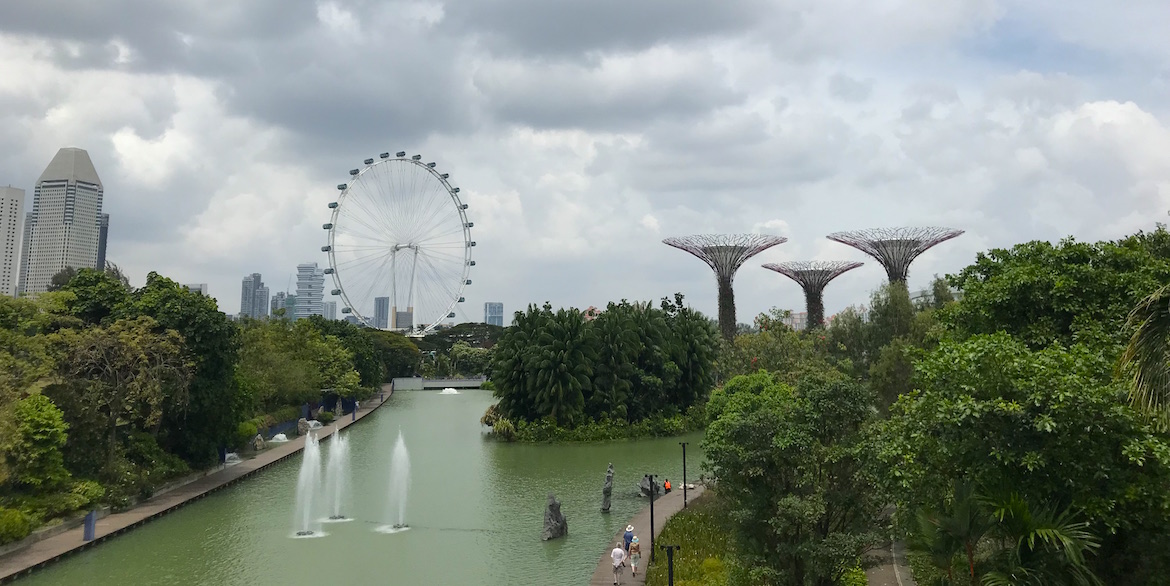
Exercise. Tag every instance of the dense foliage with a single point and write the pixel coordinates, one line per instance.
(632, 363)
(108, 392)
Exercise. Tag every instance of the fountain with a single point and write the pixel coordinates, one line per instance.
(399, 486)
(314, 424)
(448, 391)
(335, 473)
(231, 459)
(304, 522)
(279, 438)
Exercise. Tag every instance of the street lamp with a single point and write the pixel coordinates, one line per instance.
(670, 549)
(684, 447)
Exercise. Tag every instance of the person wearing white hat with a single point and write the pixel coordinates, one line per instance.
(628, 537)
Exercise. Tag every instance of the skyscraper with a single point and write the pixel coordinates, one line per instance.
(103, 232)
(200, 288)
(310, 290)
(64, 225)
(381, 312)
(277, 301)
(253, 297)
(493, 313)
(330, 310)
(11, 234)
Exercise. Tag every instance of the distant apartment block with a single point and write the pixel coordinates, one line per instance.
(796, 320)
(381, 312)
(310, 290)
(103, 234)
(11, 237)
(200, 288)
(493, 313)
(64, 227)
(329, 310)
(253, 297)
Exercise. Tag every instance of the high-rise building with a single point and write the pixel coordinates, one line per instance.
(253, 297)
(329, 310)
(200, 288)
(290, 305)
(493, 313)
(65, 222)
(381, 312)
(277, 301)
(310, 290)
(103, 232)
(11, 235)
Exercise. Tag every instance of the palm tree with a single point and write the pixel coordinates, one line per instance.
(1039, 546)
(956, 530)
(1147, 357)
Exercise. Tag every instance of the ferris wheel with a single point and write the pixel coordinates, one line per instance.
(399, 245)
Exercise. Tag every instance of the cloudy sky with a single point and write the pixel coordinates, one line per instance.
(582, 133)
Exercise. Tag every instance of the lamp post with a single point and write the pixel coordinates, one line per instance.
(652, 490)
(684, 447)
(670, 549)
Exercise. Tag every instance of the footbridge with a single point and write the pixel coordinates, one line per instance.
(420, 384)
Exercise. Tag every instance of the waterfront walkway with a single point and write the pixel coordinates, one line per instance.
(44, 552)
(664, 508)
(892, 569)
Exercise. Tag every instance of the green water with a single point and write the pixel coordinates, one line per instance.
(475, 509)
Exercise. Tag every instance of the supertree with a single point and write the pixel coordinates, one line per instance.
(895, 248)
(813, 276)
(725, 253)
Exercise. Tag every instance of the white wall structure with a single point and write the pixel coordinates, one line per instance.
(65, 221)
(11, 237)
(310, 290)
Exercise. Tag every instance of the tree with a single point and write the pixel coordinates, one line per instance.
(469, 361)
(127, 371)
(564, 369)
(360, 344)
(476, 335)
(62, 278)
(1147, 356)
(1043, 293)
(209, 419)
(273, 367)
(791, 465)
(34, 454)
(1050, 424)
(97, 295)
(399, 356)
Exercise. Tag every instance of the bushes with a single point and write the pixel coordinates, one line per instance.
(35, 453)
(245, 432)
(325, 416)
(545, 430)
(14, 526)
(703, 534)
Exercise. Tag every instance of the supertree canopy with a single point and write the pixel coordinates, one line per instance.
(725, 253)
(895, 248)
(813, 276)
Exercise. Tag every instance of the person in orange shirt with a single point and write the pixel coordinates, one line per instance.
(666, 486)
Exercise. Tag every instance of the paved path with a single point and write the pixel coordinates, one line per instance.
(47, 551)
(893, 571)
(664, 508)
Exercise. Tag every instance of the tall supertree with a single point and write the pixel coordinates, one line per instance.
(725, 253)
(895, 248)
(813, 276)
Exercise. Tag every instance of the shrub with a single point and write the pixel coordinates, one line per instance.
(35, 453)
(14, 526)
(245, 432)
(487, 385)
(504, 429)
(491, 415)
(325, 416)
(286, 414)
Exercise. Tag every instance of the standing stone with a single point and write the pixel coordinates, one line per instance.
(645, 487)
(555, 524)
(302, 426)
(258, 442)
(607, 489)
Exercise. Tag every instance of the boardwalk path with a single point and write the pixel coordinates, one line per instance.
(47, 551)
(664, 508)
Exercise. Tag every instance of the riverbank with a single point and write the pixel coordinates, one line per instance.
(665, 507)
(44, 552)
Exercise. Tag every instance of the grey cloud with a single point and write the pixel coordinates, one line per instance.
(847, 89)
(566, 28)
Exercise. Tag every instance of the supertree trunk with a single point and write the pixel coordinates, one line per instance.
(726, 308)
(814, 302)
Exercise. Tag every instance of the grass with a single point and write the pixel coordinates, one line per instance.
(705, 540)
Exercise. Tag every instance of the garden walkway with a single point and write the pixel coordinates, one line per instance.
(893, 569)
(42, 553)
(664, 508)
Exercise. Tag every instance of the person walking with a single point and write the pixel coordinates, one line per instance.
(666, 486)
(619, 562)
(635, 555)
(628, 536)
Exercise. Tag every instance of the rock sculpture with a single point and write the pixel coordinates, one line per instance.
(303, 426)
(607, 489)
(555, 524)
(646, 486)
(258, 443)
